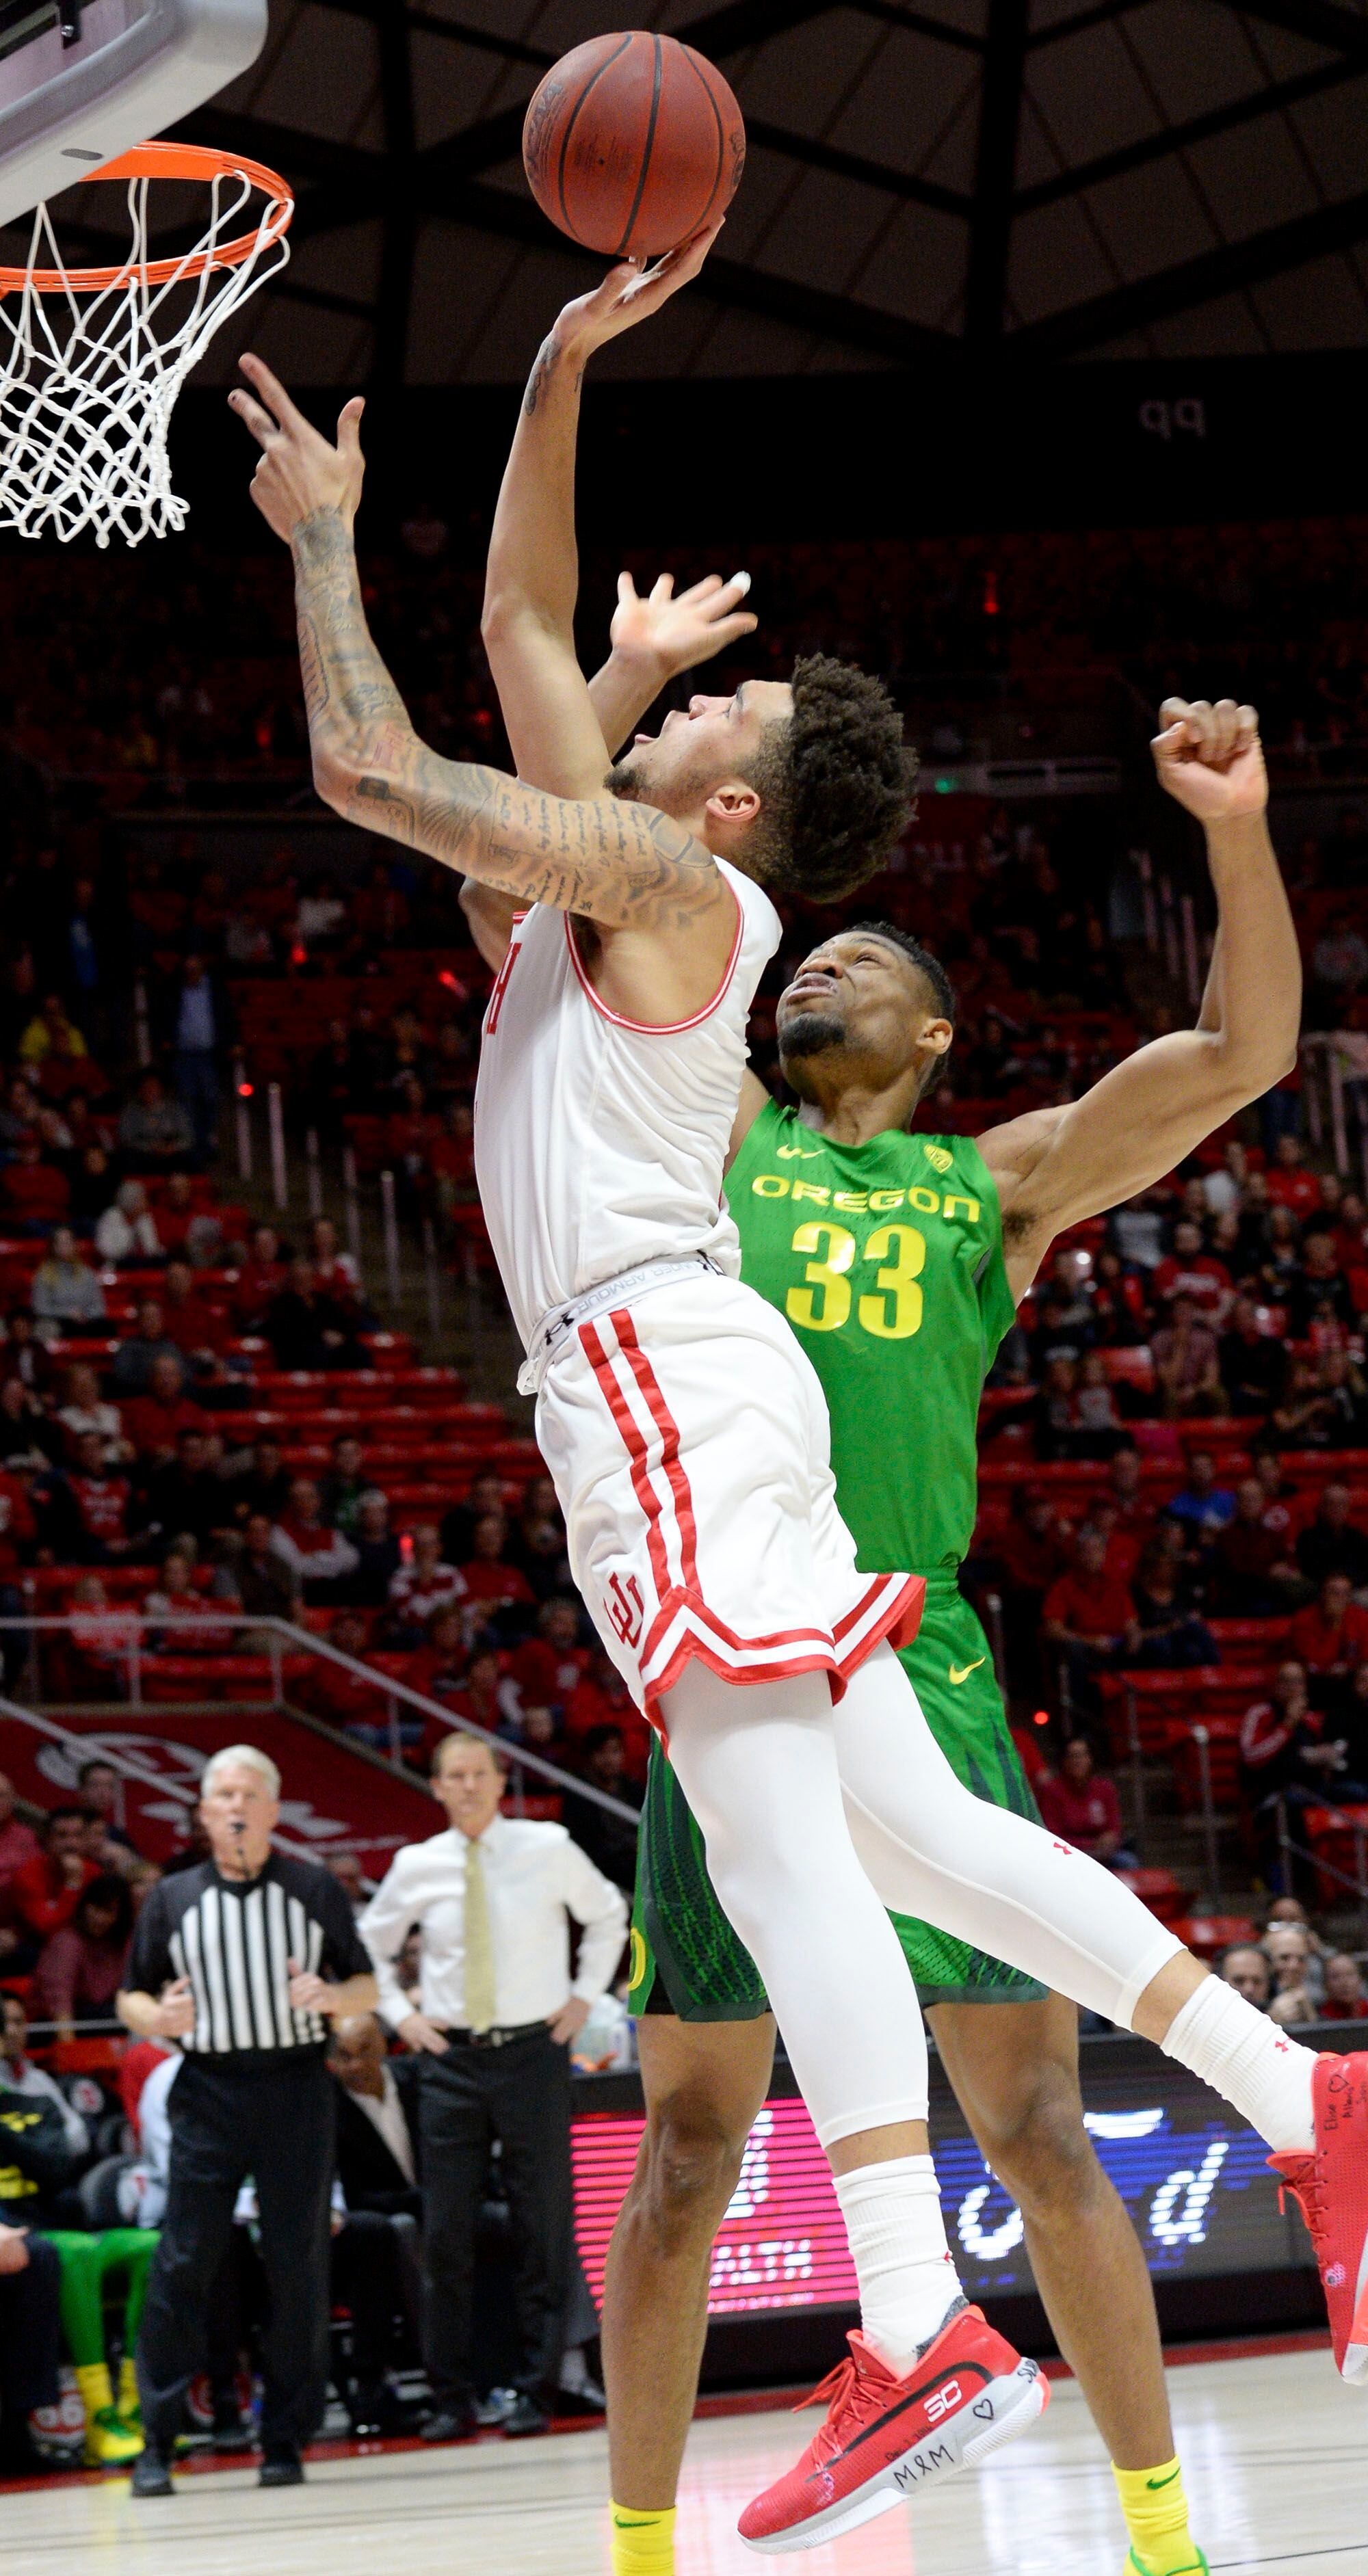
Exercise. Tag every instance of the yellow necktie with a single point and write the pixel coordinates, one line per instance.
(479, 1944)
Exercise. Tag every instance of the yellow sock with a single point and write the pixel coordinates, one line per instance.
(1156, 2512)
(643, 2543)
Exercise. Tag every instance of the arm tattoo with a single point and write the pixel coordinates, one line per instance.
(621, 865)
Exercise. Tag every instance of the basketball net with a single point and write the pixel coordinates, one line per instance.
(92, 360)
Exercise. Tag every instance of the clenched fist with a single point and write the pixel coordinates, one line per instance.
(1210, 759)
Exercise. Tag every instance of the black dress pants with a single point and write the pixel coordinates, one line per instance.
(368, 2275)
(519, 2094)
(30, 2336)
(272, 2119)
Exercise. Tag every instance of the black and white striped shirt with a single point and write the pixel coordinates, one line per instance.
(234, 1940)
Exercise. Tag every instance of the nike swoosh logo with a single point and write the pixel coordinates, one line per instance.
(1175, 2472)
(794, 1153)
(961, 1672)
(648, 2525)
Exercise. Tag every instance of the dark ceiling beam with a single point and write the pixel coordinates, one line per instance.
(1321, 22)
(1098, 16)
(399, 240)
(1226, 271)
(851, 165)
(890, 14)
(1178, 138)
(1004, 73)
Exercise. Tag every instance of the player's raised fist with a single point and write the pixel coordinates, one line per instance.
(1210, 758)
(299, 472)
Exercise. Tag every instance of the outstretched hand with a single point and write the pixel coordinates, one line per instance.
(670, 634)
(629, 294)
(1210, 758)
(298, 472)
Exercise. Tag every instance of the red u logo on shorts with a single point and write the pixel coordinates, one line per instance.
(625, 1607)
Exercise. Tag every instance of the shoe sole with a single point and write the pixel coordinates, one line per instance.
(1015, 2404)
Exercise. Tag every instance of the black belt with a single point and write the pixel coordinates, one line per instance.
(499, 2037)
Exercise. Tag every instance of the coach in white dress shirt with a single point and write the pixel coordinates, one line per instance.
(493, 1899)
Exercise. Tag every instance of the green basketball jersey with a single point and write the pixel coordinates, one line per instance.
(887, 1260)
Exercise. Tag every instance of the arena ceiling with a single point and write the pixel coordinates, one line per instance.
(1004, 179)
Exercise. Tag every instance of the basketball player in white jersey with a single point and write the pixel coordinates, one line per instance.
(687, 1433)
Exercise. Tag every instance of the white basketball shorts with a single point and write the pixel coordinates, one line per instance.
(688, 1438)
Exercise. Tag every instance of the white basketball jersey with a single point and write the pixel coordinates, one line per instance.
(600, 1143)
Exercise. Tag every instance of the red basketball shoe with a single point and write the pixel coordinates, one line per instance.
(886, 2438)
(1330, 2187)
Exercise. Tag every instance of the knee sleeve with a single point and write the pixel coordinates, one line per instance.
(758, 1767)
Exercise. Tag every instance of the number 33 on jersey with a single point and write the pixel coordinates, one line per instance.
(887, 1260)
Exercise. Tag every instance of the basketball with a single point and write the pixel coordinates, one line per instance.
(632, 144)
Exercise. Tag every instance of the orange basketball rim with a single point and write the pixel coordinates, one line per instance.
(169, 161)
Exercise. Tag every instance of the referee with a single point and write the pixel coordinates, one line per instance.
(242, 1961)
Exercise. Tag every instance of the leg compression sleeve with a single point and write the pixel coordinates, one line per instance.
(932, 1848)
(758, 1766)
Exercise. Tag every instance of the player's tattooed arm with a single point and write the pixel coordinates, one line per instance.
(623, 866)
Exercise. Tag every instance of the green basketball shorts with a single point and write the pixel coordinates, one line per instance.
(687, 1960)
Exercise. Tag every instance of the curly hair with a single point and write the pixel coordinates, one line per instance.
(838, 785)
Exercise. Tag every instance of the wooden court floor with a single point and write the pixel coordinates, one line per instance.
(1275, 2448)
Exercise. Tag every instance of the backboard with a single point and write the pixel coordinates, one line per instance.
(82, 80)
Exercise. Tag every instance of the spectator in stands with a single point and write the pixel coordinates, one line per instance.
(1088, 1615)
(1186, 1365)
(307, 1329)
(492, 1584)
(155, 1134)
(1346, 1996)
(127, 1230)
(439, 1667)
(259, 1576)
(85, 1410)
(99, 1504)
(537, 1547)
(199, 1026)
(45, 1891)
(458, 1525)
(1201, 1507)
(175, 1598)
(99, 1786)
(23, 1355)
(154, 1421)
(342, 1488)
(36, 1195)
(1172, 1632)
(424, 1584)
(1343, 1391)
(80, 1967)
(1080, 1804)
(1192, 1272)
(19, 2075)
(136, 1357)
(100, 1641)
(317, 1557)
(337, 1272)
(1245, 1558)
(1294, 1960)
(482, 1694)
(375, 2258)
(185, 1498)
(66, 1293)
(1330, 1636)
(609, 1840)
(189, 1320)
(19, 1845)
(1245, 1967)
(1290, 1184)
(1287, 1752)
(493, 1896)
(263, 1276)
(1333, 1543)
(92, 1187)
(52, 1033)
(379, 1553)
(258, 1480)
(345, 1866)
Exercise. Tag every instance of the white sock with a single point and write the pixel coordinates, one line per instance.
(1249, 2059)
(908, 2282)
